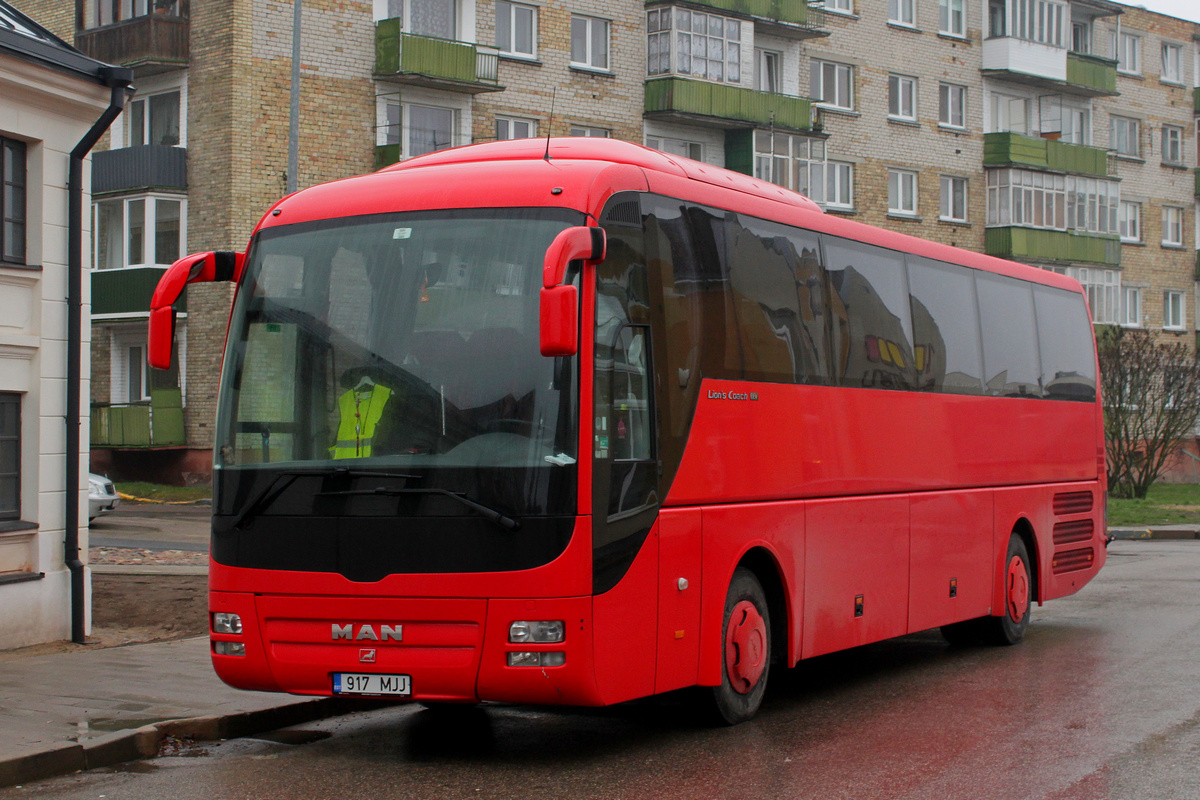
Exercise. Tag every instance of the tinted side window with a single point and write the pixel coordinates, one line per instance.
(1010, 347)
(780, 294)
(871, 318)
(1066, 344)
(946, 349)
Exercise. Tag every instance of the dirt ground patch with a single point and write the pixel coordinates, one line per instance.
(148, 608)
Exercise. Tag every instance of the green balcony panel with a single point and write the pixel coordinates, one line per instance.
(1197, 181)
(1196, 99)
(720, 103)
(1064, 247)
(127, 291)
(790, 12)
(438, 63)
(157, 423)
(386, 155)
(1092, 72)
(1004, 149)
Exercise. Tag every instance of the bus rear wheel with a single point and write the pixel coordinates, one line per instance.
(745, 651)
(1010, 627)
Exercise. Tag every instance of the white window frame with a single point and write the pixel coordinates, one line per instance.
(513, 12)
(1081, 37)
(902, 12)
(506, 127)
(902, 98)
(839, 185)
(902, 192)
(590, 131)
(952, 17)
(455, 21)
(588, 59)
(768, 70)
(1103, 289)
(1127, 51)
(954, 199)
(1172, 226)
(149, 232)
(1172, 57)
(122, 339)
(840, 6)
(407, 150)
(836, 76)
(1172, 144)
(683, 32)
(1010, 114)
(1174, 311)
(1125, 136)
(143, 101)
(1129, 221)
(791, 161)
(676, 146)
(1131, 307)
(952, 104)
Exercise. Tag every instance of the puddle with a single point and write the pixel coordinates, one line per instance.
(292, 736)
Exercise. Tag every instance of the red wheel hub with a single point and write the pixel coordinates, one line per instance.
(745, 647)
(1018, 589)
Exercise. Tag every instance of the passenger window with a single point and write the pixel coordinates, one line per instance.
(946, 349)
(630, 434)
(1066, 345)
(1010, 345)
(872, 329)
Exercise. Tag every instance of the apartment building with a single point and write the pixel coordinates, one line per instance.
(1059, 133)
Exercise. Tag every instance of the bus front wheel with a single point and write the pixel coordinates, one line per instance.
(745, 651)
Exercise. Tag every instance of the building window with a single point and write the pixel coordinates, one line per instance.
(1129, 221)
(901, 12)
(1055, 202)
(1172, 226)
(793, 162)
(951, 19)
(1042, 21)
(706, 46)
(766, 70)
(902, 192)
(832, 84)
(677, 147)
(1173, 310)
(1127, 49)
(516, 29)
(589, 42)
(952, 105)
(843, 6)
(429, 128)
(10, 456)
(1103, 289)
(513, 128)
(106, 12)
(954, 199)
(1170, 63)
(154, 120)
(1172, 144)
(1081, 37)
(1010, 114)
(902, 97)
(1124, 137)
(1131, 307)
(141, 230)
(431, 18)
(595, 133)
(12, 201)
(1076, 126)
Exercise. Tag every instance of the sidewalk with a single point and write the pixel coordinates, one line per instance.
(1157, 532)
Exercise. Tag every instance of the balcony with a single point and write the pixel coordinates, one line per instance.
(1196, 100)
(1014, 149)
(1047, 67)
(150, 44)
(722, 106)
(792, 19)
(157, 422)
(127, 291)
(148, 167)
(407, 58)
(1066, 247)
(1092, 72)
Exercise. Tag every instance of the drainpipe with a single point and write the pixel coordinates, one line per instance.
(119, 79)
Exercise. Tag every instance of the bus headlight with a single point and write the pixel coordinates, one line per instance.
(227, 623)
(547, 631)
(537, 659)
(229, 648)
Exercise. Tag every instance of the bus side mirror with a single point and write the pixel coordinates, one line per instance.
(559, 311)
(196, 268)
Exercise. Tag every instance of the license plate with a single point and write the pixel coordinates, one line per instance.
(366, 683)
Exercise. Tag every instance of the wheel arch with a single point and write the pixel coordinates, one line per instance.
(1023, 529)
(765, 567)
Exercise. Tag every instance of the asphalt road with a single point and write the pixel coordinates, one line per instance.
(1102, 700)
(153, 526)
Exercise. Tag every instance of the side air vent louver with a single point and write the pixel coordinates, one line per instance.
(1072, 503)
(626, 213)
(1079, 530)
(1072, 560)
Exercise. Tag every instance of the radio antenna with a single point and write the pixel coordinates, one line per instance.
(550, 123)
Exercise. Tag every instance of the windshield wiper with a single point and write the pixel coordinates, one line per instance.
(274, 489)
(508, 523)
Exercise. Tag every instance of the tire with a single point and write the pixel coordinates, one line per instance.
(1010, 628)
(745, 651)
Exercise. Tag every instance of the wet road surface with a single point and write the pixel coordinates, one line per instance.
(1102, 700)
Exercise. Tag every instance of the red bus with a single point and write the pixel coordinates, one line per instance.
(577, 422)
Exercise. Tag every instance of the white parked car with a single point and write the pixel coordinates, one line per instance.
(102, 496)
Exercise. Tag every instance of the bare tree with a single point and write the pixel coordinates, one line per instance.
(1151, 395)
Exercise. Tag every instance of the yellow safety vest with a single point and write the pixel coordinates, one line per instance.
(360, 413)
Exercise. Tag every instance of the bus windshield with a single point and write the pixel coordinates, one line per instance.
(398, 343)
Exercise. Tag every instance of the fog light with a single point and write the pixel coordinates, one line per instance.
(227, 623)
(537, 659)
(537, 631)
(229, 648)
